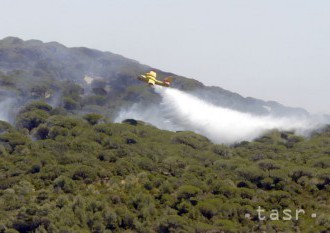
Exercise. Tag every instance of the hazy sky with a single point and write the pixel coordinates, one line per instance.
(274, 50)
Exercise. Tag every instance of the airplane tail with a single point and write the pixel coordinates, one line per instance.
(141, 77)
(168, 80)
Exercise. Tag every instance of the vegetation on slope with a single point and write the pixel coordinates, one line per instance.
(65, 173)
(33, 69)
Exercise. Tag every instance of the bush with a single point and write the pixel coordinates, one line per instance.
(298, 172)
(208, 209)
(323, 162)
(38, 105)
(32, 119)
(187, 191)
(65, 184)
(93, 118)
(268, 164)
(70, 104)
(13, 140)
(174, 223)
(85, 173)
(5, 127)
(222, 150)
(191, 139)
(42, 132)
(252, 173)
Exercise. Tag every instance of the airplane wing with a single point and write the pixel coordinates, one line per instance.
(158, 82)
(141, 77)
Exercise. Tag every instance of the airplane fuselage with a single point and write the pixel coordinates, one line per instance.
(151, 79)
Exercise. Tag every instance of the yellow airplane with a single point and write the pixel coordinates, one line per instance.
(151, 79)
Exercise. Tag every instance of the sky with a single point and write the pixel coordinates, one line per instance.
(273, 50)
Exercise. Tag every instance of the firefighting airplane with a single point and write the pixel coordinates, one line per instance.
(151, 79)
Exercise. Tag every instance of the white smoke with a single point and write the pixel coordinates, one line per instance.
(6, 109)
(182, 111)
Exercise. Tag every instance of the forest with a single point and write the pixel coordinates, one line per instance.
(62, 172)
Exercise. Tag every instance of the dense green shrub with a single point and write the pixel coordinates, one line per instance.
(65, 173)
(93, 118)
(191, 139)
(32, 119)
(70, 104)
(187, 191)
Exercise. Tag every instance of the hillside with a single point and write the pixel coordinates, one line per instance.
(65, 173)
(66, 167)
(85, 80)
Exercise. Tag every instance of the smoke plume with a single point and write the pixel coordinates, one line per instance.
(182, 111)
(6, 109)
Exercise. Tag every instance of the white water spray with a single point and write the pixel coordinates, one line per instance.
(6, 109)
(182, 111)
